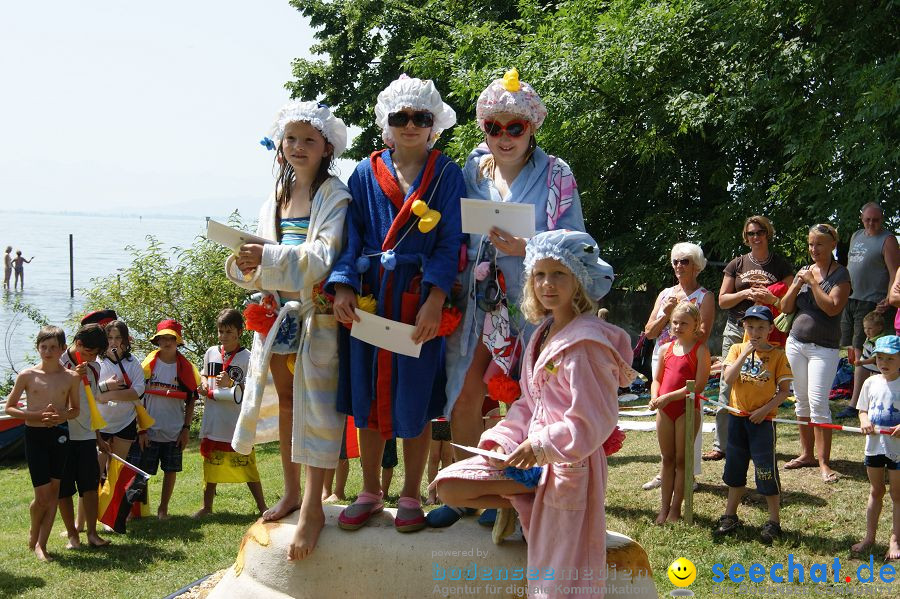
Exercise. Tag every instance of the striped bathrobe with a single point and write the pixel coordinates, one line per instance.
(317, 426)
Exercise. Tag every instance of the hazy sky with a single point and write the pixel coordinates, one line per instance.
(142, 107)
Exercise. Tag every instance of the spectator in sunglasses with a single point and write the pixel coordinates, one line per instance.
(816, 297)
(687, 261)
(508, 167)
(746, 282)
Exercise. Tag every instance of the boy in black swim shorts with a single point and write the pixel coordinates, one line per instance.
(52, 398)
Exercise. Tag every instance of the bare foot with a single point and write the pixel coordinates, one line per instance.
(41, 553)
(95, 540)
(74, 542)
(431, 500)
(673, 516)
(201, 512)
(32, 539)
(306, 535)
(332, 499)
(893, 551)
(64, 533)
(660, 519)
(281, 509)
(162, 514)
(863, 545)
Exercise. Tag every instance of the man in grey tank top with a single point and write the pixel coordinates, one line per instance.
(872, 260)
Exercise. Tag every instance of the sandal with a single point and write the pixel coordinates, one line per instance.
(410, 516)
(714, 455)
(727, 525)
(797, 463)
(355, 515)
(832, 477)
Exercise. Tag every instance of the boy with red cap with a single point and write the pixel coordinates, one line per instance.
(169, 394)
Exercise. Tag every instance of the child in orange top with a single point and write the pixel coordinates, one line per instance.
(686, 358)
(760, 378)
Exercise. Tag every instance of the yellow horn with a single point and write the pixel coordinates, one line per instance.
(144, 419)
(97, 421)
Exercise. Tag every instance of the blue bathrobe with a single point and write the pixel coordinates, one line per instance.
(417, 384)
(529, 187)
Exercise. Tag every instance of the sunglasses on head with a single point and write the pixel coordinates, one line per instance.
(681, 261)
(419, 118)
(756, 233)
(824, 230)
(515, 128)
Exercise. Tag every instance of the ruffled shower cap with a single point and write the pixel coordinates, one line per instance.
(511, 96)
(316, 114)
(578, 252)
(417, 94)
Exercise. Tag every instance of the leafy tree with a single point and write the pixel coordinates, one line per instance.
(188, 285)
(679, 118)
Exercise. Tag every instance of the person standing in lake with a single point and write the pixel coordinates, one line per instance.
(18, 262)
(7, 266)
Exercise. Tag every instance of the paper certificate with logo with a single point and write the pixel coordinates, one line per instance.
(385, 333)
(479, 216)
(231, 238)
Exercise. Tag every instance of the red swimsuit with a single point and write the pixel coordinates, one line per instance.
(677, 370)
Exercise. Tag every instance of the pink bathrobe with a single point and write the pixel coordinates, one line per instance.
(568, 408)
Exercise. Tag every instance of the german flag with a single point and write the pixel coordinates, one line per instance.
(124, 483)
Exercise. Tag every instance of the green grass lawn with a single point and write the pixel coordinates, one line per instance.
(156, 558)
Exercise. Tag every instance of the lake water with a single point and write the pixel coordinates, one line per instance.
(99, 244)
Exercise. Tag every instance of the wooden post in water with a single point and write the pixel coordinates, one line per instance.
(71, 267)
(689, 453)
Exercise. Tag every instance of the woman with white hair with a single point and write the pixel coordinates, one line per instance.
(508, 167)
(402, 248)
(688, 262)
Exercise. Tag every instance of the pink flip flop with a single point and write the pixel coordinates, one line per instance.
(358, 513)
(410, 516)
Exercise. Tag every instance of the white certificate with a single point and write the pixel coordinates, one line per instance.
(231, 238)
(478, 216)
(484, 452)
(385, 333)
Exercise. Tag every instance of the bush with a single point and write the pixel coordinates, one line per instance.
(188, 285)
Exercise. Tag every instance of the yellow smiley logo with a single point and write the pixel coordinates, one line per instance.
(682, 572)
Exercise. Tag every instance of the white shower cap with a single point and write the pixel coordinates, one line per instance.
(316, 114)
(417, 94)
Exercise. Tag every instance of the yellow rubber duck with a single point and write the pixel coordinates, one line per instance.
(511, 81)
(428, 218)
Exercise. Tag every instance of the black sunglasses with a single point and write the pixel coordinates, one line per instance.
(420, 118)
(681, 261)
(756, 233)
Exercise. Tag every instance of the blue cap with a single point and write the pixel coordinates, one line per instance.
(760, 312)
(889, 344)
(578, 252)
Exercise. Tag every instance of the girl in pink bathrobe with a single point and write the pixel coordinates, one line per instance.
(571, 371)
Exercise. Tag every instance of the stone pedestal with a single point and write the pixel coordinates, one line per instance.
(378, 562)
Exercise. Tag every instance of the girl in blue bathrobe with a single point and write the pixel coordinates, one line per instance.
(403, 248)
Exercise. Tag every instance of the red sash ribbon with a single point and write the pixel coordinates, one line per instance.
(380, 417)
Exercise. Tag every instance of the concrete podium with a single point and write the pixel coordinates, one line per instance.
(378, 562)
